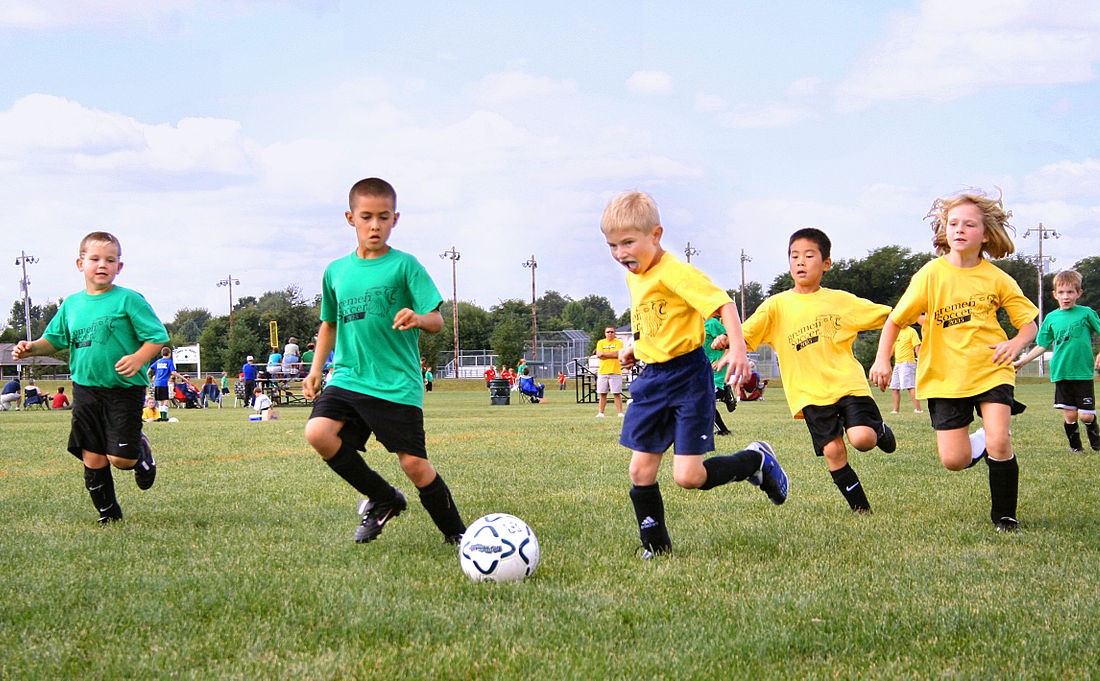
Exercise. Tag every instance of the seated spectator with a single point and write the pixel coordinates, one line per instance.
(752, 389)
(149, 411)
(307, 357)
(33, 396)
(262, 404)
(210, 392)
(528, 387)
(188, 395)
(291, 365)
(291, 348)
(275, 363)
(61, 400)
(11, 394)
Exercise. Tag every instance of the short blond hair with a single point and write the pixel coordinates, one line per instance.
(100, 238)
(1068, 278)
(994, 220)
(631, 211)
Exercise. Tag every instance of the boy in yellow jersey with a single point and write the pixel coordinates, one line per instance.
(673, 396)
(966, 357)
(812, 330)
(906, 348)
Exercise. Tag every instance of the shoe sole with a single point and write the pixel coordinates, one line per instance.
(777, 488)
(145, 478)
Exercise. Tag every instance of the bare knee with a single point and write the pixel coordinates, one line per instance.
(323, 437)
(863, 438)
(417, 469)
(689, 479)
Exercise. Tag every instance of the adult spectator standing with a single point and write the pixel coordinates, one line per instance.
(11, 394)
(249, 372)
(610, 376)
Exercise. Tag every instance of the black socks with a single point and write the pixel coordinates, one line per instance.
(849, 485)
(1004, 482)
(1074, 436)
(101, 488)
(649, 509)
(350, 466)
(436, 499)
(731, 468)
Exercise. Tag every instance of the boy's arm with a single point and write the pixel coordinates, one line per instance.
(1005, 351)
(880, 371)
(129, 365)
(1031, 355)
(736, 358)
(326, 341)
(406, 319)
(30, 349)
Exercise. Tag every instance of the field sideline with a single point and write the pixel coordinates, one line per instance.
(239, 562)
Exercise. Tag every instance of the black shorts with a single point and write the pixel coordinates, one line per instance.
(1077, 395)
(160, 393)
(398, 427)
(951, 413)
(827, 423)
(106, 421)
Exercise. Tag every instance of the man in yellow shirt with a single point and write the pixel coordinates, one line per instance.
(906, 348)
(609, 378)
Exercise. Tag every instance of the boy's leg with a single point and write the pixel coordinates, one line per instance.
(719, 424)
(649, 505)
(916, 402)
(844, 477)
(1073, 433)
(101, 486)
(756, 464)
(435, 496)
(897, 400)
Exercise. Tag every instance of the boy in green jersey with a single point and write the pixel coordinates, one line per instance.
(374, 303)
(112, 334)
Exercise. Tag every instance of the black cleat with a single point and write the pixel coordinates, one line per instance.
(145, 471)
(110, 514)
(376, 515)
(452, 540)
(1006, 524)
(886, 440)
(770, 477)
(726, 397)
(1093, 431)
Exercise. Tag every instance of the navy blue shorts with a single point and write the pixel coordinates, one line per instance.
(106, 421)
(399, 427)
(673, 405)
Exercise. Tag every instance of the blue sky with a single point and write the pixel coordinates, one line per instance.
(219, 138)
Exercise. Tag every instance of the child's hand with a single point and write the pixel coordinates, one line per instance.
(880, 374)
(626, 357)
(1004, 352)
(738, 367)
(23, 349)
(311, 386)
(721, 342)
(128, 366)
(406, 319)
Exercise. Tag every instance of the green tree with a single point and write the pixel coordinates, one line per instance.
(754, 295)
(1090, 281)
(41, 315)
(188, 325)
(511, 321)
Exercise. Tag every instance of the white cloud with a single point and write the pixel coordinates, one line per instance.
(950, 49)
(708, 103)
(650, 82)
(498, 88)
(776, 115)
(1066, 180)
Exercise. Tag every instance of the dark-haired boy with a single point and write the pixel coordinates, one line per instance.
(812, 330)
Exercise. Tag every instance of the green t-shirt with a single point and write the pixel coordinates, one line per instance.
(307, 360)
(713, 328)
(361, 296)
(1066, 333)
(100, 330)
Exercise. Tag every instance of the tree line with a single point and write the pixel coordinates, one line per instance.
(503, 328)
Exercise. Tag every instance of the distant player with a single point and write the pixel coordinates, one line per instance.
(1068, 330)
(904, 377)
(674, 394)
(112, 334)
(966, 357)
(374, 303)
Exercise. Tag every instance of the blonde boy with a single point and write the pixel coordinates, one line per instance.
(674, 396)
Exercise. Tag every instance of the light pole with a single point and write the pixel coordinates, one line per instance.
(25, 284)
(1040, 264)
(744, 259)
(454, 256)
(230, 281)
(689, 251)
(534, 323)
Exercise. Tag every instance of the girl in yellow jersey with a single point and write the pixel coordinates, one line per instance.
(966, 358)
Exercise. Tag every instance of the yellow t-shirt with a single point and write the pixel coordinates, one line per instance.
(149, 414)
(812, 334)
(669, 302)
(962, 304)
(610, 366)
(905, 347)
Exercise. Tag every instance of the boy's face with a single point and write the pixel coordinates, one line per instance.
(373, 218)
(635, 250)
(807, 265)
(100, 264)
(1066, 296)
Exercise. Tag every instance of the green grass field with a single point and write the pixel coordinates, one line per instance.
(239, 562)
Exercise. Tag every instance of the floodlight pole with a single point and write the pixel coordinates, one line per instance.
(534, 320)
(454, 256)
(1040, 262)
(689, 251)
(25, 284)
(230, 281)
(744, 259)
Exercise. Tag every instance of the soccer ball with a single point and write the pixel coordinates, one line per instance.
(498, 548)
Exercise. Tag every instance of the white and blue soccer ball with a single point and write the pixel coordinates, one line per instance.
(498, 548)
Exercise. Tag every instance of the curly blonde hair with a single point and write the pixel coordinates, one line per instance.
(994, 219)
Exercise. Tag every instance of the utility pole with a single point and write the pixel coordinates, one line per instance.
(454, 256)
(534, 319)
(744, 259)
(1040, 264)
(25, 284)
(689, 251)
(230, 282)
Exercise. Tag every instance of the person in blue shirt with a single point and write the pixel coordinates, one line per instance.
(249, 372)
